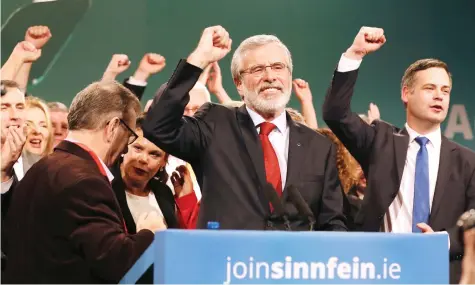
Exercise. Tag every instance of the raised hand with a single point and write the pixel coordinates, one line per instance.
(214, 44)
(38, 36)
(181, 180)
(150, 64)
(11, 149)
(373, 113)
(302, 90)
(26, 52)
(118, 64)
(366, 41)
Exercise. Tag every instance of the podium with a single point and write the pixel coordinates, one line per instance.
(276, 257)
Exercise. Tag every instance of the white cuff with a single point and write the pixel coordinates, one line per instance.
(348, 64)
(7, 185)
(136, 82)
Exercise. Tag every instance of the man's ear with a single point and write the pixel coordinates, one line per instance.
(111, 130)
(240, 86)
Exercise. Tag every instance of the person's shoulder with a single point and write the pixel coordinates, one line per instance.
(465, 152)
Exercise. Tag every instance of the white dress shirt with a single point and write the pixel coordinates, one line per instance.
(398, 218)
(279, 138)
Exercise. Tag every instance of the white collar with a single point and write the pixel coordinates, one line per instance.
(280, 122)
(110, 176)
(435, 137)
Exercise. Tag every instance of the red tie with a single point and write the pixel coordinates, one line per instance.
(270, 158)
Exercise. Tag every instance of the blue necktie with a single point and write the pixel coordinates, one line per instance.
(421, 208)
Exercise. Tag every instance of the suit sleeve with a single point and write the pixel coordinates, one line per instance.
(96, 231)
(136, 89)
(181, 136)
(353, 132)
(331, 216)
(456, 248)
(188, 209)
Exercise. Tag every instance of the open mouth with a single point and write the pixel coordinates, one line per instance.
(140, 171)
(35, 142)
(437, 108)
(270, 89)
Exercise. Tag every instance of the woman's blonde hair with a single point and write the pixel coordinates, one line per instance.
(35, 102)
(345, 162)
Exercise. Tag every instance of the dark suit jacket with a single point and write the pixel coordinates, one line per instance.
(137, 90)
(65, 225)
(381, 150)
(28, 159)
(163, 194)
(225, 152)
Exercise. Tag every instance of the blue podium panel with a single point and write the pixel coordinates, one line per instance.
(224, 257)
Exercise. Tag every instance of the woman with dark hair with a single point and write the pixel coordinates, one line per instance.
(139, 185)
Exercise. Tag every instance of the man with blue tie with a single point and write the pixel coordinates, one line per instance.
(417, 179)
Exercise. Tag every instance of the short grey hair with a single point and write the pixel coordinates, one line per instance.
(99, 102)
(57, 107)
(253, 43)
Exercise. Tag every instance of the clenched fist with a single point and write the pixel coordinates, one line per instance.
(38, 36)
(150, 64)
(214, 44)
(366, 41)
(118, 64)
(26, 52)
(302, 90)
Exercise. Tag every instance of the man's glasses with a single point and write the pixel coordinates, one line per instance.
(258, 70)
(133, 135)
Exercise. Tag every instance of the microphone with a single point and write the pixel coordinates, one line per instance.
(301, 205)
(277, 205)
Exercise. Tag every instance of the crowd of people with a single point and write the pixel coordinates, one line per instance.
(84, 188)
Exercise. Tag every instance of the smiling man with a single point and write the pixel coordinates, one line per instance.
(236, 151)
(417, 179)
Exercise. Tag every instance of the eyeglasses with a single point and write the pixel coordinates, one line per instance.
(258, 70)
(133, 135)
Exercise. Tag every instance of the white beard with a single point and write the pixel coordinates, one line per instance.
(266, 106)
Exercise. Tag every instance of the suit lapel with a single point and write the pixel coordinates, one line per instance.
(252, 143)
(401, 143)
(253, 146)
(296, 154)
(443, 175)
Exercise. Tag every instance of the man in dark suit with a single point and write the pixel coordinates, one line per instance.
(64, 223)
(231, 160)
(417, 179)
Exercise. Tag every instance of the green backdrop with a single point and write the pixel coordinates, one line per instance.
(87, 32)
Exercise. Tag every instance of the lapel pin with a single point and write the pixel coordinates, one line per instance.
(299, 144)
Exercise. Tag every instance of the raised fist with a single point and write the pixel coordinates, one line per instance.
(38, 36)
(150, 64)
(118, 64)
(26, 52)
(366, 41)
(214, 44)
(302, 90)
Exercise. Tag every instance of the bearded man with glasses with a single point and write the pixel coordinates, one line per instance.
(237, 152)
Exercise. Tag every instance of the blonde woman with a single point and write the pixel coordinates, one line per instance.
(40, 135)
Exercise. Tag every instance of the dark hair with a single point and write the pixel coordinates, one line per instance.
(162, 174)
(420, 65)
(7, 84)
